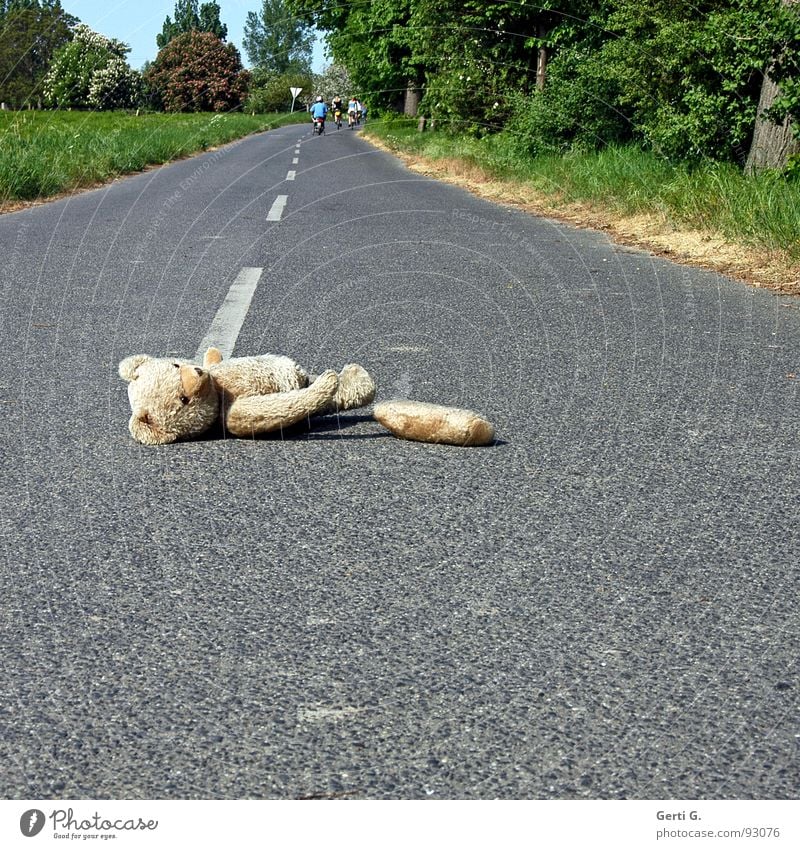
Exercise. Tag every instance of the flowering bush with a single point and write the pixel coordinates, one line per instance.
(335, 79)
(196, 72)
(91, 71)
(115, 87)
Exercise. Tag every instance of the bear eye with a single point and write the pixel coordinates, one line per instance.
(184, 399)
(177, 365)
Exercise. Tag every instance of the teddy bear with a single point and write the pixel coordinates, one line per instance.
(175, 399)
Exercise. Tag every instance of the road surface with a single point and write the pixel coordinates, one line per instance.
(603, 604)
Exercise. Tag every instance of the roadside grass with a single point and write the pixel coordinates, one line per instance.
(618, 186)
(46, 153)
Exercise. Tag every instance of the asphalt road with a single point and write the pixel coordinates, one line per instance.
(601, 605)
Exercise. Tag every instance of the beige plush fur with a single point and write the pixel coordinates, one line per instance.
(424, 422)
(174, 399)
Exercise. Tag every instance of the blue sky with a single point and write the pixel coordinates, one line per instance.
(138, 22)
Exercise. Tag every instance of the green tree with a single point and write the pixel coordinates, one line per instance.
(91, 72)
(374, 41)
(276, 41)
(31, 31)
(464, 55)
(210, 21)
(477, 55)
(688, 72)
(189, 17)
(680, 76)
(197, 72)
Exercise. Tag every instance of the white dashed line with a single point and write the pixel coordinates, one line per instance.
(295, 161)
(228, 321)
(276, 211)
(291, 175)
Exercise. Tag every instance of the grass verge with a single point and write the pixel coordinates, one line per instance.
(44, 154)
(712, 216)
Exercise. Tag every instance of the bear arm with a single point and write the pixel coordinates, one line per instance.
(255, 414)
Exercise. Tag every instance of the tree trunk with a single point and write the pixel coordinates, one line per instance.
(541, 59)
(412, 99)
(772, 143)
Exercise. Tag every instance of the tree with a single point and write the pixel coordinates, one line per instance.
(463, 55)
(682, 77)
(276, 41)
(188, 18)
(31, 31)
(196, 72)
(91, 72)
(688, 72)
(775, 135)
(210, 22)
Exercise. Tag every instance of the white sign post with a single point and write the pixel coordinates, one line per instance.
(295, 92)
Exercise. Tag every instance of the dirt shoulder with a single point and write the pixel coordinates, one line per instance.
(764, 269)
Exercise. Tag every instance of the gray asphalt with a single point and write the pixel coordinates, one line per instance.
(601, 605)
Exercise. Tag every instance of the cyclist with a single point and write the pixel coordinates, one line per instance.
(318, 112)
(338, 107)
(352, 108)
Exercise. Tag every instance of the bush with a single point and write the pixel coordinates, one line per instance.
(196, 72)
(576, 110)
(270, 93)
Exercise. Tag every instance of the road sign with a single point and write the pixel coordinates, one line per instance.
(295, 91)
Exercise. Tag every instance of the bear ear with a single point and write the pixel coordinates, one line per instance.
(144, 430)
(212, 357)
(127, 368)
(192, 379)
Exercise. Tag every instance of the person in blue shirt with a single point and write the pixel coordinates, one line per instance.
(318, 113)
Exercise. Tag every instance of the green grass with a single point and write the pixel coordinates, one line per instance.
(762, 211)
(45, 153)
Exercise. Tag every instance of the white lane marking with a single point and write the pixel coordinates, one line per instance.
(291, 175)
(295, 161)
(276, 210)
(228, 321)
